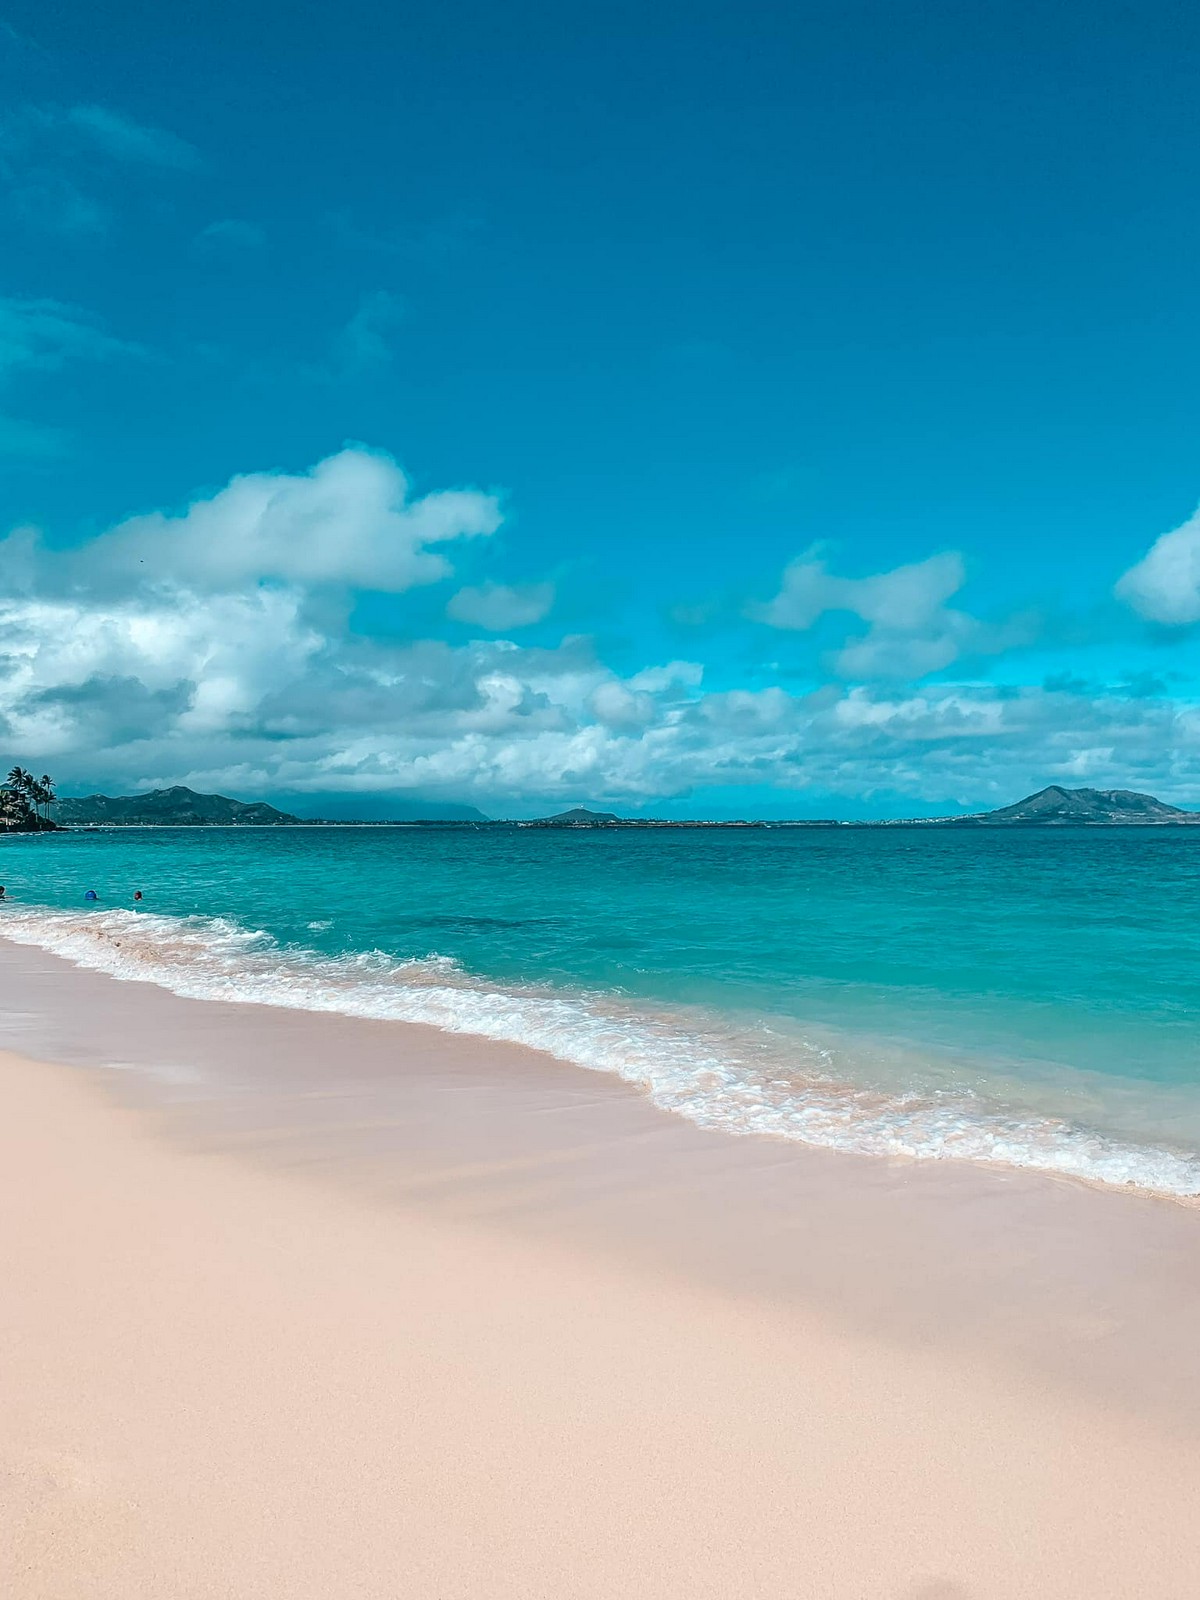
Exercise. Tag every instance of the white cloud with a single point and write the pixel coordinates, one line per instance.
(912, 632)
(618, 706)
(211, 648)
(498, 607)
(246, 692)
(906, 599)
(1164, 586)
(654, 680)
(349, 522)
(119, 136)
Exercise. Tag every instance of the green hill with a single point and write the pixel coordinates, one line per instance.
(1060, 807)
(169, 808)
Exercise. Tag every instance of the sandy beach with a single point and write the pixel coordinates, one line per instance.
(468, 1322)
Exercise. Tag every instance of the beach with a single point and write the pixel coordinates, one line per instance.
(314, 1305)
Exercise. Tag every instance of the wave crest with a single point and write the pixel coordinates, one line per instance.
(714, 1073)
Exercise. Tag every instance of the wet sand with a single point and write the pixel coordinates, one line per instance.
(299, 1305)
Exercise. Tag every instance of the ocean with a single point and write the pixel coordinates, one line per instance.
(1026, 998)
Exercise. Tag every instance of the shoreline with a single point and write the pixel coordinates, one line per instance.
(231, 1371)
(1092, 1289)
(718, 1072)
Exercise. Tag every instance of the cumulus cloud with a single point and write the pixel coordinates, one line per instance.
(350, 523)
(617, 705)
(498, 607)
(913, 632)
(907, 599)
(249, 692)
(1164, 586)
(211, 647)
(680, 675)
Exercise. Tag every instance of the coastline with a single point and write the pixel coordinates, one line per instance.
(308, 1304)
(801, 1081)
(1089, 1288)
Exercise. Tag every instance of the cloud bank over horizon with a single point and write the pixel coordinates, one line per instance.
(224, 646)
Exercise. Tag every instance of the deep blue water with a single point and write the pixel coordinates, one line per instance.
(1025, 996)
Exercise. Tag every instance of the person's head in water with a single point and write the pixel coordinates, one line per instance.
(1, 891)
(91, 895)
(137, 893)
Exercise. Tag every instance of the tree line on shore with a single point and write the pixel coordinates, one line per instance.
(25, 801)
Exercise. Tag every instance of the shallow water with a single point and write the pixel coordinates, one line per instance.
(1019, 997)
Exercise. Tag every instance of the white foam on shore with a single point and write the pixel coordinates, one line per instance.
(716, 1075)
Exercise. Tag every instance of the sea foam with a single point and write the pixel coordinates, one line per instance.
(721, 1076)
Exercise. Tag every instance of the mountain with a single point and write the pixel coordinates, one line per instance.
(1071, 807)
(171, 808)
(579, 817)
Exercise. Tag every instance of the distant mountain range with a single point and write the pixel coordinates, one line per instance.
(180, 807)
(1052, 807)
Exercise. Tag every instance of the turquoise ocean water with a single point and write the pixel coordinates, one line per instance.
(1021, 997)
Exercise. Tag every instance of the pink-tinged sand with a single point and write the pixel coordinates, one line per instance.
(220, 1381)
(351, 1310)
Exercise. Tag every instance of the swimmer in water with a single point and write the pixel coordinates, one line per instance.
(137, 893)
(1, 891)
(91, 895)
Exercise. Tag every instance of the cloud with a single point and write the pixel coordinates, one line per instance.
(616, 705)
(675, 674)
(120, 137)
(43, 335)
(212, 647)
(49, 155)
(912, 633)
(253, 692)
(207, 665)
(348, 523)
(1164, 586)
(906, 599)
(497, 607)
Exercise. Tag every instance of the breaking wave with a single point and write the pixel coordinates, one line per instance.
(720, 1074)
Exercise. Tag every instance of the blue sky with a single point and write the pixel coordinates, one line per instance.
(726, 409)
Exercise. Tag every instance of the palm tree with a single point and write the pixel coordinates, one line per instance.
(46, 792)
(22, 798)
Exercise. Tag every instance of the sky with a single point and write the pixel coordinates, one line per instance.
(694, 410)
